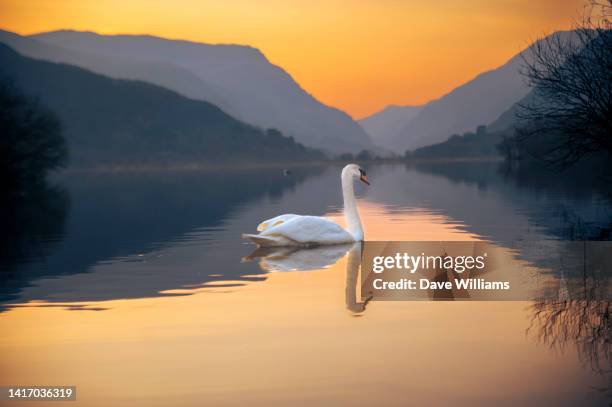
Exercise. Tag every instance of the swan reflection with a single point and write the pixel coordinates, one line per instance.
(294, 258)
(275, 259)
(353, 265)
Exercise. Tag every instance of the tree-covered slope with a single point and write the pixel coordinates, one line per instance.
(110, 121)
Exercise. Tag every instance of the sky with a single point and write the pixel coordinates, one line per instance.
(356, 55)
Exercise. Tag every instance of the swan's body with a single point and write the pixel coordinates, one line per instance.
(298, 230)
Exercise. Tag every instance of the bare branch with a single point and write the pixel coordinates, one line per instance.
(570, 112)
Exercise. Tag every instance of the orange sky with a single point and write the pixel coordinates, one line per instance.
(356, 55)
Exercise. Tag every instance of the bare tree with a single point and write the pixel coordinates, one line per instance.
(570, 112)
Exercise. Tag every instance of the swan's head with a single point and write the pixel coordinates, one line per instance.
(355, 171)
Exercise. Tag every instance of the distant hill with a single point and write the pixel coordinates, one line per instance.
(110, 121)
(239, 79)
(481, 143)
(384, 125)
(479, 101)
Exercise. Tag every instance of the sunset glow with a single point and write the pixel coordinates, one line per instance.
(355, 55)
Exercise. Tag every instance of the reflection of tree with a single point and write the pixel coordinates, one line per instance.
(582, 323)
(31, 222)
(576, 314)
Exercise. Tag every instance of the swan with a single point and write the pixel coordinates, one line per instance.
(298, 230)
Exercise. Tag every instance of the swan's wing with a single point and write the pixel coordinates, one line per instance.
(310, 230)
(275, 221)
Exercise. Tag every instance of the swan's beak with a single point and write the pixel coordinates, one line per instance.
(364, 179)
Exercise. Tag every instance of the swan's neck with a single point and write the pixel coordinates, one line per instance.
(351, 215)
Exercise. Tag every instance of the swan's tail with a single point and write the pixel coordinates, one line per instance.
(261, 241)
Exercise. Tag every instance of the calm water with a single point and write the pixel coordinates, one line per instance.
(136, 288)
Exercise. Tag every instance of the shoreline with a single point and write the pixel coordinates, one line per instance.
(246, 166)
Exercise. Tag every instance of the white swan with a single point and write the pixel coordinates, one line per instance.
(298, 230)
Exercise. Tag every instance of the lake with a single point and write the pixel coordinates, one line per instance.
(136, 288)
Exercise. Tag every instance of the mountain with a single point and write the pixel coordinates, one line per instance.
(480, 143)
(252, 89)
(163, 74)
(112, 121)
(385, 124)
(509, 118)
(477, 102)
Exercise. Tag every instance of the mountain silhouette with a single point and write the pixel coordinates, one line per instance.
(477, 102)
(239, 78)
(111, 121)
(163, 74)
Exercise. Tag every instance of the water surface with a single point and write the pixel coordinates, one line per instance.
(136, 288)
